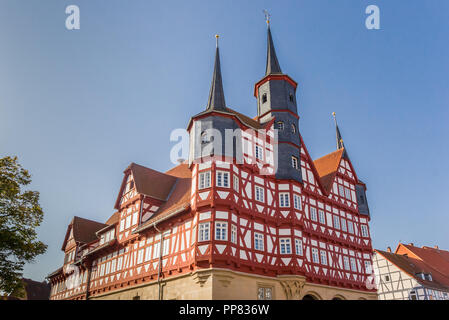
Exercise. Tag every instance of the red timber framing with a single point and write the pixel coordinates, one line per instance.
(220, 214)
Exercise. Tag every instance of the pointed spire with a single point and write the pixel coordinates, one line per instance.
(273, 66)
(340, 144)
(216, 94)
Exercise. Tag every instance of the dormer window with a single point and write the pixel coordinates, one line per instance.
(264, 98)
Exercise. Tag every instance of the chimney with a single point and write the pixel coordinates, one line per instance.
(411, 243)
(388, 249)
(436, 247)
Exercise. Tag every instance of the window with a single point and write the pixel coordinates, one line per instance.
(387, 278)
(204, 180)
(235, 183)
(293, 128)
(140, 256)
(323, 256)
(368, 269)
(221, 231)
(148, 253)
(166, 247)
(294, 162)
(336, 222)
(353, 265)
(280, 125)
(343, 224)
(258, 241)
(264, 98)
(135, 216)
(233, 233)
(259, 152)
(128, 222)
(285, 246)
(203, 231)
(264, 293)
(346, 262)
(223, 179)
(122, 225)
(322, 216)
(315, 257)
(413, 295)
(298, 247)
(297, 202)
(313, 215)
(348, 193)
(350, 227)
(290, 97)
(259, 194)
(341, 190)
(364, 230)
(284, 200)
(204, 138)
(119, 263)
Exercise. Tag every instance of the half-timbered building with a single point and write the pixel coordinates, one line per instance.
(253, 218)
(412, 273)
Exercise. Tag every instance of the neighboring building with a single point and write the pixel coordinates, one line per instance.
(217, 228)
(412, 273)
(32, 290)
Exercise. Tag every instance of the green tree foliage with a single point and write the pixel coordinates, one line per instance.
(20, 214)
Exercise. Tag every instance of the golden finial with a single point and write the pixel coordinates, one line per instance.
(216, 39)
(267, 17)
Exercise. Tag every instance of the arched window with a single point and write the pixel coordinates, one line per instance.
(293, 128)
(204, 138)
(280, 125)
(264, 98)
(291, 98)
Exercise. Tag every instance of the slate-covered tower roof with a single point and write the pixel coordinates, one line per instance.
(273, 66)
(216, 95)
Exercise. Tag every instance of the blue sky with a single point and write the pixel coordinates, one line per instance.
(77, 107)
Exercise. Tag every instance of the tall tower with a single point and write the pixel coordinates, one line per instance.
(276, 98)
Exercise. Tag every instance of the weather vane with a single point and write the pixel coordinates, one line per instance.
(267, 16)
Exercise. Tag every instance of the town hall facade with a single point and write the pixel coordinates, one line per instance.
(257, 220)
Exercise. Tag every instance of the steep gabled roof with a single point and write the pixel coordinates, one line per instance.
(327, 167)
(437, 259)
(83, 230)
(413, 267)
(147, 182)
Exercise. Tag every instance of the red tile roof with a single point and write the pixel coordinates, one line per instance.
(327, 167)
(413, 267)
(83, 230)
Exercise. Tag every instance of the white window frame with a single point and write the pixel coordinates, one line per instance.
(128, 222)
(234, 233)
(315, 256)
(298, 247)
(336, 222)
(235, 182)
(259, 193)
(166, 247)
(353, 265)
(364, 230)
(313, 214)
(148, 253)
(346, 263)
(204, 180)
(321, 216)
(323, 257)
(221, 230)
(285, 246)
(297, 202)
(222, 179)
(341, 190)
(347, 193)
(350, 227)
(295, 162)
(284, 199)
(122, 225)
(258, 151)
(258, 241)
(343, 224)
(204, 232)
(140, 256)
